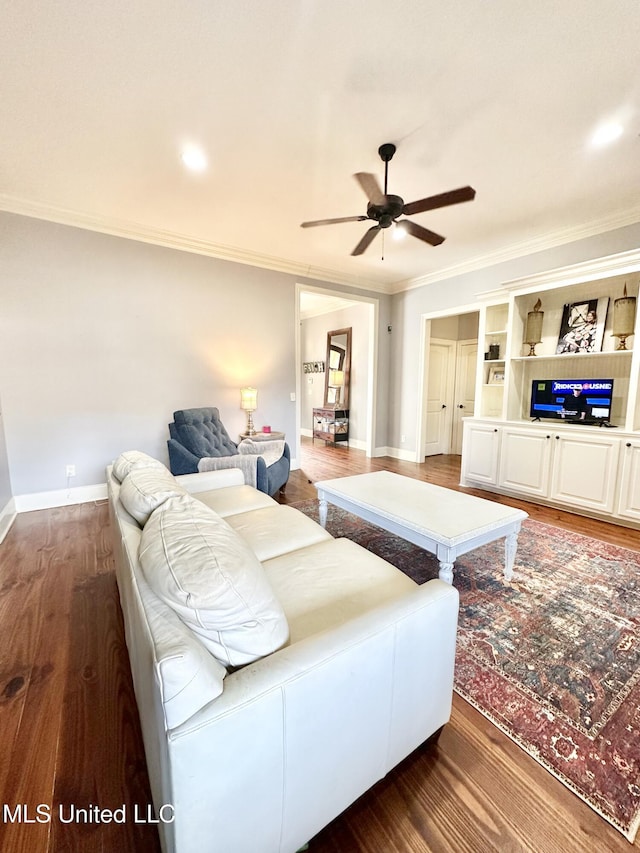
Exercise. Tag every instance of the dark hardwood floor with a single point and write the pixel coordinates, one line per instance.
(71, 737)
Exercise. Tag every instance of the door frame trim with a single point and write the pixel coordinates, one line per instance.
(425, 341)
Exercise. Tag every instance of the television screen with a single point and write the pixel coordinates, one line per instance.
(573, 400)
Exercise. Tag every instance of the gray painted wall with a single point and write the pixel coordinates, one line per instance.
(313, 338)
(463, 290)
(102, 338)
(5, 479)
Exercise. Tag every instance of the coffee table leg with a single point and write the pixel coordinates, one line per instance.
(446, 572)
(510, 548)
(323, 512)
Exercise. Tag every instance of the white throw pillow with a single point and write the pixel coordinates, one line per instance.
(199, 566)
(134, 459)
(145, 489)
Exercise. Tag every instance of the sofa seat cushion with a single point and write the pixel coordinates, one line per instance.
(145, 489)
(133, 459)
(327, 584)
(276, 530)
(235, 499)
(199, 566)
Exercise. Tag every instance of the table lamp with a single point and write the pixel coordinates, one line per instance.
(533, 329)
(624, 318)
(248, 402)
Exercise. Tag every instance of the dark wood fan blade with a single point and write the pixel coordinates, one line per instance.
(366, 240)
(370, 185)
(442, 200)
(421, 233)
(333, 221)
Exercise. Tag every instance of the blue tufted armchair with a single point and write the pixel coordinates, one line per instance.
(197, 434)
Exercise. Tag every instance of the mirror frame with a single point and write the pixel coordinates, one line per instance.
(344, 364)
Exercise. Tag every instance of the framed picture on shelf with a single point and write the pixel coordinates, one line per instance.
(582, 326)
(496, 375)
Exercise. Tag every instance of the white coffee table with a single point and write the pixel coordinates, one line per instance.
(442, 521)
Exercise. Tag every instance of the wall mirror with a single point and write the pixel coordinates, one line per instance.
(337, 369)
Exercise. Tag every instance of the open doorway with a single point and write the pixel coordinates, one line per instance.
(318, 312)
(449, 379)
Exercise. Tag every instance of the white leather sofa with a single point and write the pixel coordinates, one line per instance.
(260, 756)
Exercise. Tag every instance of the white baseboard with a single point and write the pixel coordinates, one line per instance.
(396, 453)
(60, 497)
(7, 517)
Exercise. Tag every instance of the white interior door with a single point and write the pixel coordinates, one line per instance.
(465, 389)
(439, 396)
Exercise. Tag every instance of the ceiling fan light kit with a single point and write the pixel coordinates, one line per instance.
(384, 208)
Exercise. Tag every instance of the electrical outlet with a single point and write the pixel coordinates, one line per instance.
(71, 470)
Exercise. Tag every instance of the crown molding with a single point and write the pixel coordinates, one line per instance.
(528, 247)
(180, 242)
(184, 243)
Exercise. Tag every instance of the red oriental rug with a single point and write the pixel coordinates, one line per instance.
(552, 658)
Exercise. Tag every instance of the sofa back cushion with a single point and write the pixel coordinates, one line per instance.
(133, 459)
(199, 566)
(145, 489)
(201, 431)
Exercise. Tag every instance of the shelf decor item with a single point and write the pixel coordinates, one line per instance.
(496, 375)
(624, 318)
(533, 330)
(248, 402)
(582, 326)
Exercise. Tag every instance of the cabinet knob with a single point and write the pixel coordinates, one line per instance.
(628, 444)
(548, 436)
(495, 429)
(460, 406)
(557, 437)
(444, 405)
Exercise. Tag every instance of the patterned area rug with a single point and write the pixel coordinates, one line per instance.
(551, 658)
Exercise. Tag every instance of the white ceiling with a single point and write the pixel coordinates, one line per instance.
(289, 99)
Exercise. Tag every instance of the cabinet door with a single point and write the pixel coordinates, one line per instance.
(480, 446)
(584, 471)
(629, 491)
(525, 461)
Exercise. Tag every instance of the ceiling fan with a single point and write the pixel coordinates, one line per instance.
(384, 209)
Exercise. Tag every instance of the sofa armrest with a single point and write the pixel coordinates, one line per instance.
(204, 481)
(362, 696)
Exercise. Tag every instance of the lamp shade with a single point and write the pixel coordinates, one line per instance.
(624, 315)
(248, 399)
(336, 378)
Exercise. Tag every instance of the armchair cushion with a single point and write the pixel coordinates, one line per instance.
(198, 565)
(202, 432)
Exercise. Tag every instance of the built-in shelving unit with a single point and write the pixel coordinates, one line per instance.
(504, 450)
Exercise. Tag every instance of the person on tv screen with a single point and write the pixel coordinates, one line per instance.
(577, 407)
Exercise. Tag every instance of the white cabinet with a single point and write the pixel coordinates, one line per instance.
(584, 471)
(525, 460)
(480, 449)
(629, 490)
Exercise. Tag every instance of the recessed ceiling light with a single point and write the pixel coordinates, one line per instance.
(194, 158)
(607, 133)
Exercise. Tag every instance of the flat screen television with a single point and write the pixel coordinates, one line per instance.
(573, 400)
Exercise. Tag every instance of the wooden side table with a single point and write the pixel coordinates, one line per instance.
(263, 436)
